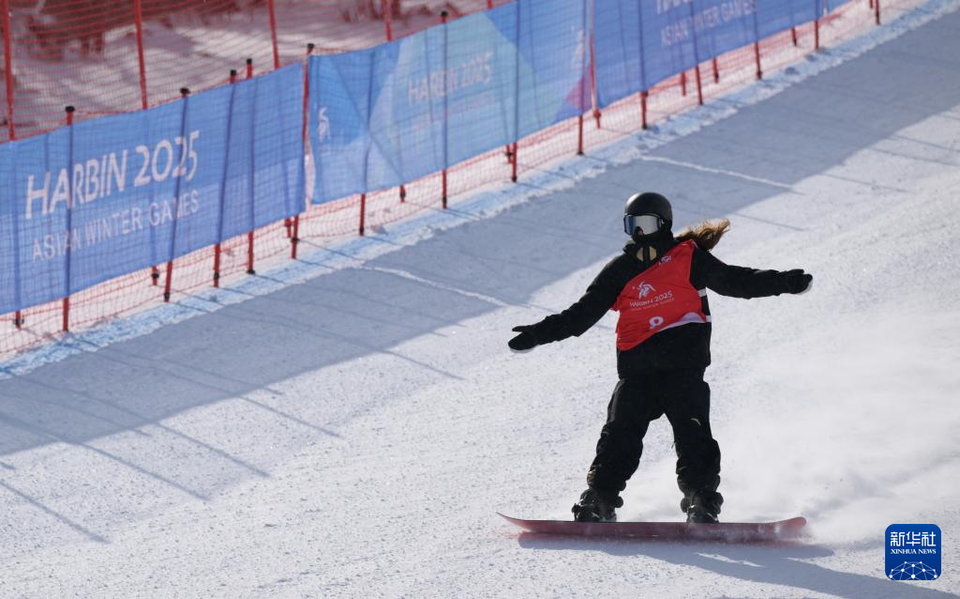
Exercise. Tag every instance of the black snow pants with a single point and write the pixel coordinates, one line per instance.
(684, 397)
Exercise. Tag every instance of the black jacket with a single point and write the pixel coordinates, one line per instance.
(687, 346)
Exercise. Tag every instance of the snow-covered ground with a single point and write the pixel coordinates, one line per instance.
(354, 433)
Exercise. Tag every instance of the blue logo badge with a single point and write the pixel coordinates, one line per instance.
(913, 551)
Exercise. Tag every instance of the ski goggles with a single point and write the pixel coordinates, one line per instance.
(647, 223)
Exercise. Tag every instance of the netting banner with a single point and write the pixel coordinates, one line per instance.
(404, 110)
(640, 44)
(106, 197)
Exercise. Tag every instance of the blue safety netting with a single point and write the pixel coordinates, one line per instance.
(111, 196)
(403, 110)
(640, 44)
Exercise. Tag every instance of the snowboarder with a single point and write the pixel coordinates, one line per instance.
(658, 285)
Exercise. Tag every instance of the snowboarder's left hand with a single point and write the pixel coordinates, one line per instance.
(798, 281)
(525, 341)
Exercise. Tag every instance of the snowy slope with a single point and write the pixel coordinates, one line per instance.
(353, 434)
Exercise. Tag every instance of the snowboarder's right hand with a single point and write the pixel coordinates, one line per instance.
(525, 341)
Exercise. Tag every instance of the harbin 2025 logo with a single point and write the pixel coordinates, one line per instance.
(913, 552)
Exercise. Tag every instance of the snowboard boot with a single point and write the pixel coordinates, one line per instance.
(702, 507)
(597, 506)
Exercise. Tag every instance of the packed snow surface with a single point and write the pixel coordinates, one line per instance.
(353, 433)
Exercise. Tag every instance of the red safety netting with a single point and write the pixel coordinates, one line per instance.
(95, 66)
(108, 57)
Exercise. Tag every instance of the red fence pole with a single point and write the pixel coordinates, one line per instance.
(696, 57)
(793, 34)
(8, 76)
(168, 284)
(716, 71)
(443, 20)
(593, 68)
(816, 34)
(216, 265)
(8, 67)
(250, 270)
(217, 248)
(756, 53)
(138, 19)
(273, 33)
(387, 17)
(580, 136)
(144, 101)
(876, 9)
(295, 238)
(276, 65)
(489, 3)
(643, 109)
(70, 199)
(271, 10)
(683, 83)
(363, 211)
(699, 86)
(66, 314)
(583, 88)
(443, 190)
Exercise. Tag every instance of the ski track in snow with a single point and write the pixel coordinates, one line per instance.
(352, 434)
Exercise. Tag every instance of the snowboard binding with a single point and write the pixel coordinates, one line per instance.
(597, 506)
(702, 508)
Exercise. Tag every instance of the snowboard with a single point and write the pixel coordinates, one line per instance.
(727, 532)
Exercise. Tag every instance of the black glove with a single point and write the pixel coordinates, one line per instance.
(525, 341)
(797, 281)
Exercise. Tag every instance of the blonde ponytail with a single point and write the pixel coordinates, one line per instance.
(706, 234)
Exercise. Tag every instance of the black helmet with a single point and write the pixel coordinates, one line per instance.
(647, 204)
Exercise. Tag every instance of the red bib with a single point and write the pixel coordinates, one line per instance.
(659, 298)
